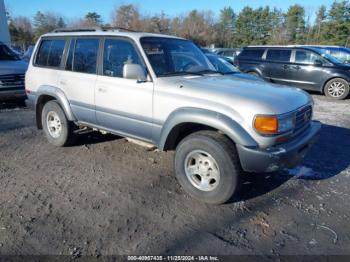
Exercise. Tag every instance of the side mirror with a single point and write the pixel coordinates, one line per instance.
(134, 71)
(318, 62)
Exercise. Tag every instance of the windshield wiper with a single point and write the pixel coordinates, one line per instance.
(175, 73)
(199, 73)
(206, 71)
(230, 73)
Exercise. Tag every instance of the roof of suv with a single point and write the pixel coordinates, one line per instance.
(313, 48)
(278, 46)
(133, 35)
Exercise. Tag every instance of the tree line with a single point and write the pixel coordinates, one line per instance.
(259, 26)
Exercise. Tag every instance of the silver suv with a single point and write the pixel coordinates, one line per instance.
(163, 90)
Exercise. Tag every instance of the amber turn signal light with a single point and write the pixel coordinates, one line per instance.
(267, 125)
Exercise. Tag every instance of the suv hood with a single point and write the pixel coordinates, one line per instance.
(258, 97)
(8, 67)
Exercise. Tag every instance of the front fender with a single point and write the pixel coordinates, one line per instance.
(59, 95)
(209, 118)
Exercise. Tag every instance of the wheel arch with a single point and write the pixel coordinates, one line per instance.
(48, 93)
(185, 121)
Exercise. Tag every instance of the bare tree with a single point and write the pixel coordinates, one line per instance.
(21, 31)
(199, 26)
(158, 23)
(127, 16)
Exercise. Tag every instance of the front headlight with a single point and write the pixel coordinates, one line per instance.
(273, 125)
(286, 123)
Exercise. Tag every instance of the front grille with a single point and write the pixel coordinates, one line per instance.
(302, 119)
(16, 80)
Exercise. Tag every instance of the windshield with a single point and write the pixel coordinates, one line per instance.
(171, 56)
(343, 55)
(7, 54)
(222, 65)
(324, 54)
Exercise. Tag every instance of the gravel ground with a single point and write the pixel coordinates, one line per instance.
(107, 196)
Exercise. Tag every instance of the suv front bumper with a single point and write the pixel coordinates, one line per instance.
(12, 94)
(276, 158)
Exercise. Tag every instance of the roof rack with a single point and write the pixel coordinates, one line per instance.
(91, 29)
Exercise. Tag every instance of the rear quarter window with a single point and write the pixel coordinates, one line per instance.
(252, 53)
(50, 53)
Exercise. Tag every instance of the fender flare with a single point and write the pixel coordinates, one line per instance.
(60, 97)
(209, 118)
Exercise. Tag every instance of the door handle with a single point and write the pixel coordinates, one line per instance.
(296, 67)
(102, 89)
(285, 66)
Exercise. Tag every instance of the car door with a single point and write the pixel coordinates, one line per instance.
(306, 70)
(123, 105)
(79, 77)
(278, 65)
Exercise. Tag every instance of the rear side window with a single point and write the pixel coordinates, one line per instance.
(56, 52)
(82, 56)
(50, 53)
(252, 53)
(279, 55)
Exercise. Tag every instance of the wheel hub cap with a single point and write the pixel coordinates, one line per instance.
(336, 89)
(54, 125)
(202, 170)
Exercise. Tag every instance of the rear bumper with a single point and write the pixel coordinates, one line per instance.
(12, 94)
(279, 157)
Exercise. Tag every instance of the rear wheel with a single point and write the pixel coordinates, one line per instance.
(207, 167)
(337, 88)
(57, 128)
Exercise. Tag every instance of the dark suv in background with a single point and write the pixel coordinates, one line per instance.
(12, 71)
(303, 67)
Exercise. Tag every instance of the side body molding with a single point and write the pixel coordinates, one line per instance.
(59, 95)
(209, 118)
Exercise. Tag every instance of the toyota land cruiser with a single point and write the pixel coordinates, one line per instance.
(163, 90)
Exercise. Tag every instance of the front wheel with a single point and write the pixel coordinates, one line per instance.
(337, 88)
(207, 167)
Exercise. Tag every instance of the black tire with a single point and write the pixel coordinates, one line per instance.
(21, 102)
(223, 151)
(65, 136)
(334, 95)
